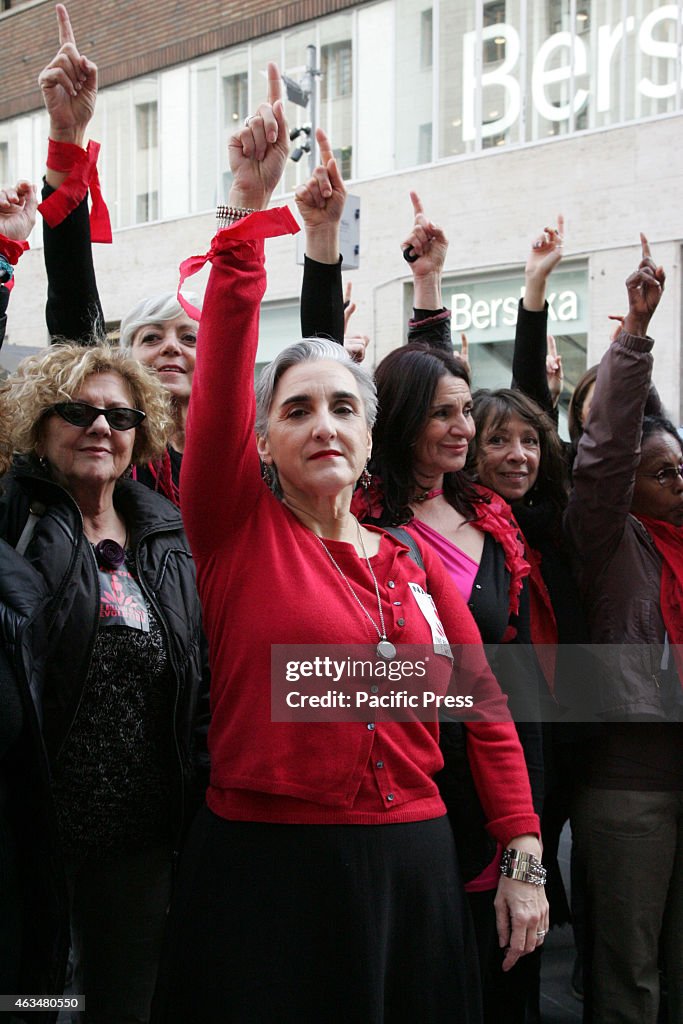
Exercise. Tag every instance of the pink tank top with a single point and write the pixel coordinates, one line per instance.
(463, 571)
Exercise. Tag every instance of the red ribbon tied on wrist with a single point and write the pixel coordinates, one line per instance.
(81, 167)
(256, 226)
(12, 249)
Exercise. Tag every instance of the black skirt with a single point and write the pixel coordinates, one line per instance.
(273, 924)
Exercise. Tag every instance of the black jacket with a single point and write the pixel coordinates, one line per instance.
(62, 555)
(27, 806)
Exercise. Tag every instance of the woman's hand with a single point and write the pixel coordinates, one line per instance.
(69, 87)
(546, 253)
(427, 241)
(320, 203)
(644, 288)
(522, 916)
(427, 245)
(18, 207)
(258, 151)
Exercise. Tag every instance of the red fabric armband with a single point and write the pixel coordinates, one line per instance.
(262, 224)
(11, 249)
(81, 167)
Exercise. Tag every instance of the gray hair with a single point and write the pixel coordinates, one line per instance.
(152, 310)
(310, 350)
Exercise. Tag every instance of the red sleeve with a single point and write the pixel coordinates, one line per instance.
(495, 753)
(221, 475)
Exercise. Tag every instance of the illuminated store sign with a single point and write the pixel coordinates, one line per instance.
(565, 56)
(487, 310)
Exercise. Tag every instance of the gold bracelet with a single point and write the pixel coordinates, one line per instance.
(227, 215)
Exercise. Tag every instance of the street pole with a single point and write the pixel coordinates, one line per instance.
(312, 72)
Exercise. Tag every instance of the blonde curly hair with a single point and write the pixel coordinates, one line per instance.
(58, 374)
(5, 420)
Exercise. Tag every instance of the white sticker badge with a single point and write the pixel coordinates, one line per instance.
(428, 609)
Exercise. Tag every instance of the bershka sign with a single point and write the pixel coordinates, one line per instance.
(487, 310)
(589, 64)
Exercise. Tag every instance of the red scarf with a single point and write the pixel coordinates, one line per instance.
(668, 540)
(81, 167)
(495, 517)
(12, 249)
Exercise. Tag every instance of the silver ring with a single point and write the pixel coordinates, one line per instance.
(541, 934)
(252, 117)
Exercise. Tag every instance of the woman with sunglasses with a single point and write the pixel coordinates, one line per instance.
(122, 656)
(157, 330)
(624, 522)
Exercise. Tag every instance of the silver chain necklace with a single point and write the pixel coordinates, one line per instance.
(385, 649)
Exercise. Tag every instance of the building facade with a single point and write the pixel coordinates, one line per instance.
(499, 113)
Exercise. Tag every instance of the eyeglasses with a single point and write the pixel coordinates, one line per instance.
(81, 414)
(667, 477)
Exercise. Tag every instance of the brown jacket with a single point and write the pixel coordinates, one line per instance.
(618, 567)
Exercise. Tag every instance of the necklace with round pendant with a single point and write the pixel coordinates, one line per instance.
(384, 648)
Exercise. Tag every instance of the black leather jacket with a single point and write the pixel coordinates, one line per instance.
(26, 803)
(64, 558)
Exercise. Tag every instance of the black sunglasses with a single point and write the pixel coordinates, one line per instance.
(81, 414)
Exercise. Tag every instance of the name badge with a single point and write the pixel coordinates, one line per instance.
(428, 609)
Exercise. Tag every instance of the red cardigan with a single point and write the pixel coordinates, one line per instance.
(265, 579)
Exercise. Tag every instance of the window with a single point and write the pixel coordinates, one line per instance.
(337, 70)
(424, 143)
(146, 207)
(426, 37)
(146, 128)
(235, 99)
(494, 14)
(343, 158)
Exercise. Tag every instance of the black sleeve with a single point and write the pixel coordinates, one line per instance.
(73, 309)
(432, 327)
(4, 299)
(528, 360)
(201, 728)
(322, 301)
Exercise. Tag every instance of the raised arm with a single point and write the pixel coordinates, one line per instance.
(536, 367)
(609, 450)
(69, 88)
(425, 250)
(320, 203)
(221, 477)
(18, 207)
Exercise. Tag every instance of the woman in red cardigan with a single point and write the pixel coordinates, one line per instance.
(320, 881)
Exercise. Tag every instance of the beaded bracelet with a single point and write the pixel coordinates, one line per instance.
(227, 215)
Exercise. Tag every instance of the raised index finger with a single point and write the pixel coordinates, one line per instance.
(417, 203)
(645, 247)
(274, 83)
(324, 145)
(66, 33)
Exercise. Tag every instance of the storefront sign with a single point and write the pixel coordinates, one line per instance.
(590, 63)
(487, 310)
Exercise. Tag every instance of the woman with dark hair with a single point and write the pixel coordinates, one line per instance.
(624, 523)
(420, 444)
